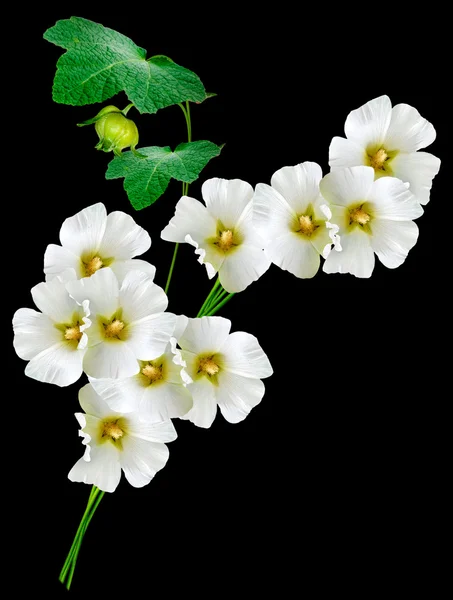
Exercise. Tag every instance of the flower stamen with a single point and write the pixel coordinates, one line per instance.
(93, 265)
(377, 161)
(225, 240)
(358, 215)
(73, 333)
(307, 227)
(208, 366)
(113, 329)
(152, 372)
(112, 430)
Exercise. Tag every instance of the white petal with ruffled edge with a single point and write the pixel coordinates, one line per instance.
(120, 395)
(226, 199)
(204, 409)
(83, 233)
(393, 200)
(272, 215)
(102, 470)
(295, 254)
(61, 365)
(122, 267)
(419, 170)
(392, 241)
(140, 297)
(110, 360)
(408, 130)
(356, 257)
(140, 460)
(242, 267)
(191, 218)
(57, 259)
(92, 403)
(205, 334)
(123, 238)
(149, 337)
(346, 186)
(299, 185)
(33, 333)
(237, 396)
(101, 289)
(368, 125)
(346, 153)
(242, 355)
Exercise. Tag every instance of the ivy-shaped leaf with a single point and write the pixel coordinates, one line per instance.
(145, 179)
(100, 62)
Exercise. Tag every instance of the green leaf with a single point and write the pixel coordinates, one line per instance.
(100, 62)
(146, 179)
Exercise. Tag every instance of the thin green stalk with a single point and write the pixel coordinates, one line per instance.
(127, 109)
(220, 295)
(219, 306)
(185, 186)
(210, 295)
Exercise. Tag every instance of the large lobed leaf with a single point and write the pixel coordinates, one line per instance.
(100, 62)
(145, 179)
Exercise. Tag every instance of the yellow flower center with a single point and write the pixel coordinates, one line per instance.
(358, 215)
(307, 227)
(112, 430)
(93, 265)
(113, 329)
(377, 160)
(208, 366)
(73, 333)
(225, 241)
(152, 373)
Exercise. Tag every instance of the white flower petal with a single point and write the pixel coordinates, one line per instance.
(204, 409)
(57, 259)
(272, 215)
(103, 469)
(243, 266)
(392, 200)
(207, 256)
(226, 199)
(92, 403)
(101, 289)
(181, 323)
(61, 364)
(110, 360)
(419, 169)
(53, 300)
(346, 153)
(123, 238)
(408, 130)
(140, 460)
(205, 335)
(148, 338)
(295, 254)
(151, 432)
(192, 218)
(83, 233)
(140, 297)
(242, 355)
(368, 125)
(119, 395)
(122, 267)
(299, 185)
(86, 437)
(346, 186)
(33, 333)
(392, 241)
(357, 256)
(237, 396)
(165, 401)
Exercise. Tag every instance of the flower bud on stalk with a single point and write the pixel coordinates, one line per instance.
(115, 131)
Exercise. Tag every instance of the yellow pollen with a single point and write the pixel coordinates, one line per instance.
(307, 226)
(225, 240)
(208, 366)
(113, 431)
(73, 333)
(93, 265)
(358, 215)
(114, 328)
(153, 373)
(377, 160)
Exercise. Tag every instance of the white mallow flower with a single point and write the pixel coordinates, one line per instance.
(222, 232)
(129, 322)
(221, 369)
(157, 391)
(92, 240)
(115, 441)
(53, 340)
(374, 216)
(388, 139)
(294, 219)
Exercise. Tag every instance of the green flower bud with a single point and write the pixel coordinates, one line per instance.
(115, 131)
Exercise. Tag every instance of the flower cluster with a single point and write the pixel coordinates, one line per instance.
(365, 206)
(102, 314)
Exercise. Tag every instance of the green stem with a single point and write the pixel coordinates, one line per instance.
(67, 572)
(127, 109)
(172, 266)
(219, 296)
(213, 311)
(185, 186)
(208, 299)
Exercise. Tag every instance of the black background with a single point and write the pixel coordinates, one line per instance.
(329, 484)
